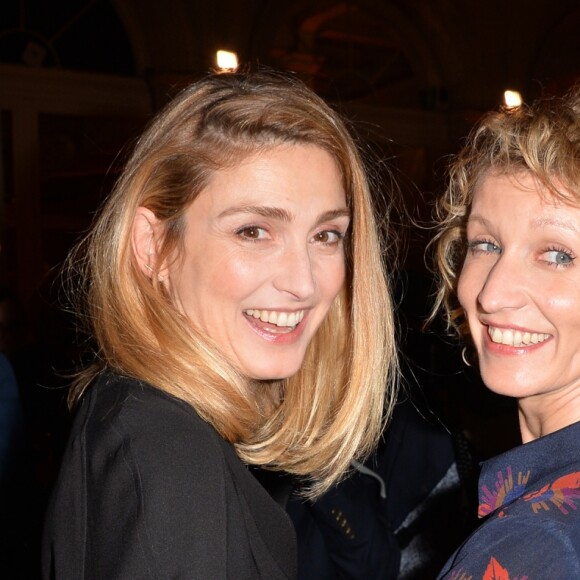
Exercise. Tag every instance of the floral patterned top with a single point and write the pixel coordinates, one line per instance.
(529, 498)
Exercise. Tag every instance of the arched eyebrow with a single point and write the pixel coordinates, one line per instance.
(334, 213)
(555, 222)
(537, 223)
(282, 214)
(262, 210)
(478, 219)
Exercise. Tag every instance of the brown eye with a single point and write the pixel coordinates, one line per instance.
(251, 233)
(328, 237)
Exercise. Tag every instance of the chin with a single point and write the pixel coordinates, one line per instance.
(272, 364)
(273, 374)
(506, 388)
(280, 376)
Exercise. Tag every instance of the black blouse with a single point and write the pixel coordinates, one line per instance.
(147, 489)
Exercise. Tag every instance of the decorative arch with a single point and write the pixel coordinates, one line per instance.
(352, 49)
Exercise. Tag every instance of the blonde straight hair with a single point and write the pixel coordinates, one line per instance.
(333, 410)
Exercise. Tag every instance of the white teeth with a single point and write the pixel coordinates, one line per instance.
(289, 319)
(516, 337)
(507, 337)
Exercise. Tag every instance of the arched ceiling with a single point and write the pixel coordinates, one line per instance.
(346, 50)
(457, 54)
(413, 75)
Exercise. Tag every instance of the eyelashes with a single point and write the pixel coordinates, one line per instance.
(252, 233)
(255, 233)
(556, 256)
(559, 257)
(483, 246)
(330, 237)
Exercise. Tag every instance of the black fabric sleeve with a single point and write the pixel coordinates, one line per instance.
(143, 495)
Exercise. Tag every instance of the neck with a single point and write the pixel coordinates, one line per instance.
(540, 416)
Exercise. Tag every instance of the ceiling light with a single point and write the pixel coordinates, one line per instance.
(227, 60)
(512, 99)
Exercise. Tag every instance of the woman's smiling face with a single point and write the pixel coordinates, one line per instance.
(520, 289)
(263, 257)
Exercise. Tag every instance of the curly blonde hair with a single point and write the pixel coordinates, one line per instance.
(542, 139)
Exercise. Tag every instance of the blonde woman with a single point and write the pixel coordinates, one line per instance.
(510, 282)
(235, 291)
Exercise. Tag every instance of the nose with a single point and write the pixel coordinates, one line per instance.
(503, 286)
(294, 272)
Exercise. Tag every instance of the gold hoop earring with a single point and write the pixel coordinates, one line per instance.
(464, 356)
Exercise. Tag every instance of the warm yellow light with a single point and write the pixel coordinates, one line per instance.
(227, 60)
(512, 99)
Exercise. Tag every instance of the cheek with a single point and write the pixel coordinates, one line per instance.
(467, 288)
(563, 308)
(564, 304)
(331, 278)
(231, 271)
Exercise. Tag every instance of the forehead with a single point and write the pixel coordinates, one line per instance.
(515, 200)
(277, 159)
(287, 175)
(549, 189)
(232, 157)
(497, 191)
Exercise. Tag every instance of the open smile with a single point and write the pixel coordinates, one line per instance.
(279, 319)
(516, 338)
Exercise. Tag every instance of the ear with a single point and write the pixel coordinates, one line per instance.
(145, 236)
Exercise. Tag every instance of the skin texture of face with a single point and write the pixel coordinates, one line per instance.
(520, 289)
(263, 257)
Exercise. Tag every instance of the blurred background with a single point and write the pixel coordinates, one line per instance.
(79, 79)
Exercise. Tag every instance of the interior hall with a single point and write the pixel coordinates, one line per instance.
(80, 79)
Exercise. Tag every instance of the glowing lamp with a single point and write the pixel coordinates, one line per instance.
(512, 99)
(227, 60)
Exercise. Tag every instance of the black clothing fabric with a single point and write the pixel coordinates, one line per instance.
(149, 490)
(398, 516)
